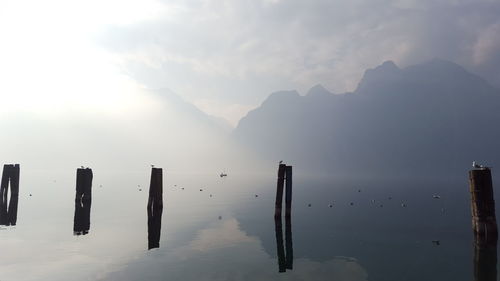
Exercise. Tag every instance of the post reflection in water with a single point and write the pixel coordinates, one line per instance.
(8, 208)
(83, 201)
(154, 226)
(155, 208)
(485, 258)
(285, 258)
(288, 242)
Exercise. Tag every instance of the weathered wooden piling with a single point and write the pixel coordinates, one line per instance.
(288, 191)
(279, 190)
(83, 201)
(155, 208)
(284, 175)
(156, 188)
(8, 208)
(484, 222)
(285, 258)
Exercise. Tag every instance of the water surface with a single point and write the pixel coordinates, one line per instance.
(214, 228)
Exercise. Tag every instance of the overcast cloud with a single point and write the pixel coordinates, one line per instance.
(225, 55)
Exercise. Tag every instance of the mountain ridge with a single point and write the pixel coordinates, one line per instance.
(402, 117)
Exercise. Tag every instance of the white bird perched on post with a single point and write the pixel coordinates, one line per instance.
(476, 165)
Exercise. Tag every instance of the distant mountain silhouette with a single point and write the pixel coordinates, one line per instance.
(432, 118)
(188, 111)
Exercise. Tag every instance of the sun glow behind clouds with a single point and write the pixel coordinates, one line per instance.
(49, 61)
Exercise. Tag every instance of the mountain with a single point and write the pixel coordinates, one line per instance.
(187, 111)
(425, 120)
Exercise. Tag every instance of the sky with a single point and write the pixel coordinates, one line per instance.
(224, 56)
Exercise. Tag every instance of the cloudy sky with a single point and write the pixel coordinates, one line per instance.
(225, 56)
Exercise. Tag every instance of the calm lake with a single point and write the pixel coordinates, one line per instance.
(214, 228)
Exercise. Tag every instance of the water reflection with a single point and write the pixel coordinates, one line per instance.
(485, 258)
(83, 201)
(155, 208)
(154, 227)
(285, 258)
(8, 208)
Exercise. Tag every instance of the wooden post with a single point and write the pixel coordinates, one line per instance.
(279, 190)
(484, 224)
(155, 208)
(483, 205)
(83, 201)
(288, 192)
(8, 210)
(156, 188)
(285, 259)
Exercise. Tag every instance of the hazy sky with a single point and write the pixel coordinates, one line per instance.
(225, 56)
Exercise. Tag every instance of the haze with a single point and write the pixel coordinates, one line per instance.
(112, 82)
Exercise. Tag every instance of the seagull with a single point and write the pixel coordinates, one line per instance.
(82, 167)
(152, 166)
(436, 196)
(281, 161)
(475, 165)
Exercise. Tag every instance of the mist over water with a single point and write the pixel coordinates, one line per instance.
(164, 131)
